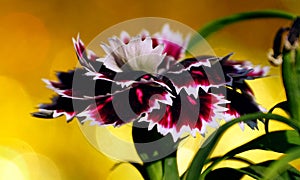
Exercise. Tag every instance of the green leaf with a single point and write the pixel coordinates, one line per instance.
(256, 171)
(287, 172)
(234, 158)
(278, 141)
(199, 160)
(218, 24)
(280, 166)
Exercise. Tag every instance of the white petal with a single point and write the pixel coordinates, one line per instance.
(124, 36)
(110, 63)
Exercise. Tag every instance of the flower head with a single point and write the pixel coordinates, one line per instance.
(143, 78)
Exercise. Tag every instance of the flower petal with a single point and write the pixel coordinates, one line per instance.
(138, 54)
(126, 106)
(61, 106)
(187, 114)
(190, 74)
(82, 86)
(87, 58)
(241, 104)
(174, 44)
(238, 71)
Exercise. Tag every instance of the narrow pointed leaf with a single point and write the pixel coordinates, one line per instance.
(198, 162)
(256, 171)
(278, 141)
(281, 166)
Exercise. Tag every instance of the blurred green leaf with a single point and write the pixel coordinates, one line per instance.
(281, 166)
(154, 170)
(234, 158)
(203, 153)
(290, 81)
(259, 170)
(256, 171)
(278, 141)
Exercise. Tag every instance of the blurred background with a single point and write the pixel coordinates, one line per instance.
(36, 42)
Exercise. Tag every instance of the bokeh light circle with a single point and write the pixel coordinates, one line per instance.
(117, 143)
(19, 161)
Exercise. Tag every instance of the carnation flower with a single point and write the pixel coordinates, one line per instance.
(148, 78)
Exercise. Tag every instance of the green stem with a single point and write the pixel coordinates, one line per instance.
(208, 146)
(297, 69)
(218, 24)
(154, 170)
(291, 84)
(170, 168)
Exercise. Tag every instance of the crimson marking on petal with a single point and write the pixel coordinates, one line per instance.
(192, 73)
(190, 81)
(87, 58)
(79, 46)
(187, 114)
(139, 95)
(187, 64)
(174, 43)
(101, 113)
(149, 96)
(125, 37)
(55, 86)
(231, 113)
(191, 100)
(127, 105)
(172, 49)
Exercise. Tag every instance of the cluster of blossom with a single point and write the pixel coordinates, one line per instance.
(149, 78)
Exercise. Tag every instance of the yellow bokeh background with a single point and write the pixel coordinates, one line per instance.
(36, 42)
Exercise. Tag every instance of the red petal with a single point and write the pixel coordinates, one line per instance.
(187, 114)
